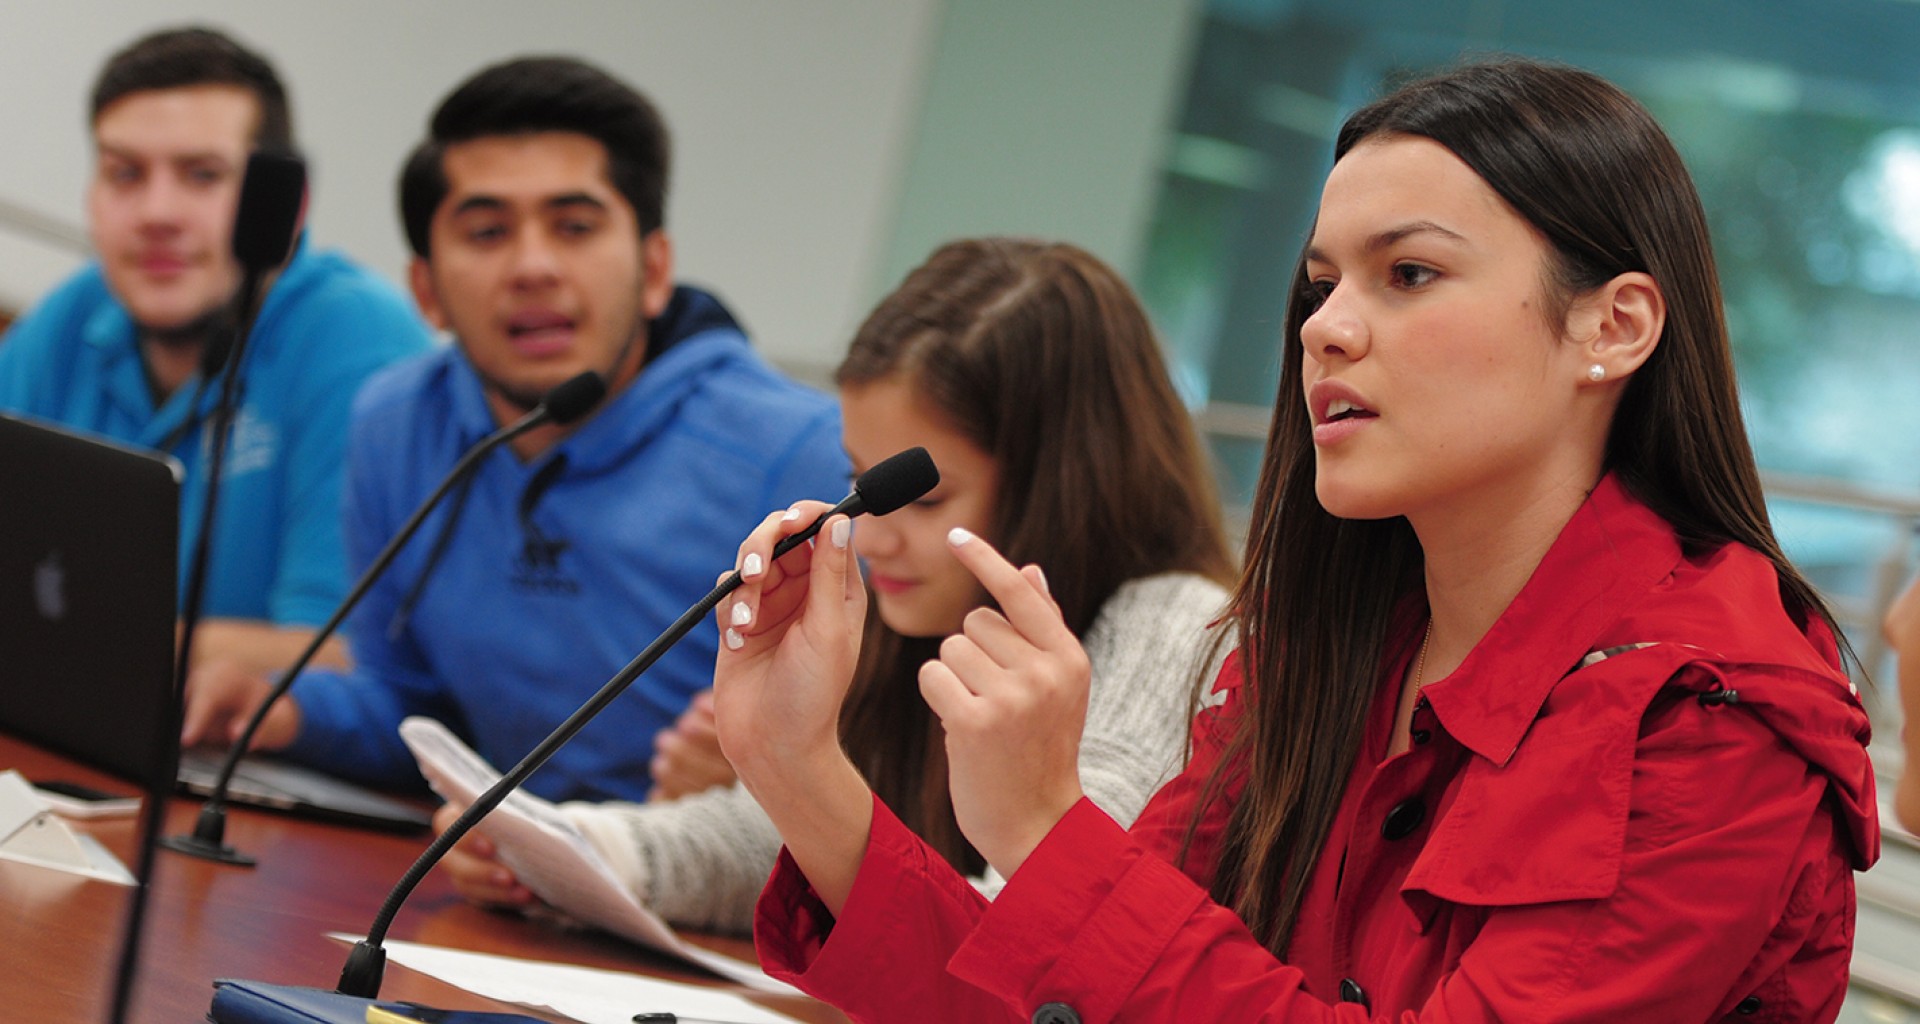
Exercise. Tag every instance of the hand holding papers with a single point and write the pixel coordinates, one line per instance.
(553, 860)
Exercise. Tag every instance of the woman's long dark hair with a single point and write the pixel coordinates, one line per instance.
(1040, 356)
(1589, 168)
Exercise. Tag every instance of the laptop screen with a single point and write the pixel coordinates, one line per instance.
(89, 532)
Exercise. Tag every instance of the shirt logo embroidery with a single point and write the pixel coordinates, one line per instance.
(253, 444)
(537, 569)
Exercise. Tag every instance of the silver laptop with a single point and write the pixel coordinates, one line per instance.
(89, 534)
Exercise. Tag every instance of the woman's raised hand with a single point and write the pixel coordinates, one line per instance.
(1011, 692)
(790, 636)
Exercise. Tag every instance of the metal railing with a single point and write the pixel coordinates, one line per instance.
(30, 223)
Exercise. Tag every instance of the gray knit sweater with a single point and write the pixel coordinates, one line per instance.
(701, 861)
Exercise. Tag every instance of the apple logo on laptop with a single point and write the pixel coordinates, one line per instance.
(50, 587)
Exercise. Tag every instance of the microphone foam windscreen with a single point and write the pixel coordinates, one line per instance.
(575, 397)
(269, 210)
(897, 481)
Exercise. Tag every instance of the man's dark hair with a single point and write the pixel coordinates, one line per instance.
(180, 57)
(542, 94)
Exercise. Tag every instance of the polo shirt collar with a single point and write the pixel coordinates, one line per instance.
(113, 341)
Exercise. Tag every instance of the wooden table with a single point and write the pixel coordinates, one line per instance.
(60, 934)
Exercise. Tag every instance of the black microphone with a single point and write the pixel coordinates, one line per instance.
(270, 198)
(566, 403)
(880, 490)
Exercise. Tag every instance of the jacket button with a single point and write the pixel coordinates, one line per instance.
(1351, 992)
(1404, 818)
(1055, 1013)
(1748, 1006)
(1422, 737)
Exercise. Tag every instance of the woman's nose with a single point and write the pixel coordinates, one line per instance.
(876, 538)
(1335, 330)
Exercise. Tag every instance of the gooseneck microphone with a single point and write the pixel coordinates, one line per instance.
(271, 196)
(880, 490)
(567, 402)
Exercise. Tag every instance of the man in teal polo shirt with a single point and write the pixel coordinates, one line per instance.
(117, 349)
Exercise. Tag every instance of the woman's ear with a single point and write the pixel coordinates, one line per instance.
(1617, 326)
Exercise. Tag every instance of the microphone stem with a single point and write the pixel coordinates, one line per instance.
(361, 976)
(166, 760)
(220, 427)
(217, 799)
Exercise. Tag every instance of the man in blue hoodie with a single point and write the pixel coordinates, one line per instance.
(535, 212)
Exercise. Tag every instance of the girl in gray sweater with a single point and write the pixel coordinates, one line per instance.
(1029, 372)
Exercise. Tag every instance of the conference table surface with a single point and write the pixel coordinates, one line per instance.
(61, 933)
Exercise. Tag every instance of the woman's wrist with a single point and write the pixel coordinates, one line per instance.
(1015, 843)
(824, 813)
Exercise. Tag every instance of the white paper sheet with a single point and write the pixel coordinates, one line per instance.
(585, 994)
(554, 861)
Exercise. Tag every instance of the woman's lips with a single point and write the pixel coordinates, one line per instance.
(1335, 431)
(1338, 411)
(889, 584)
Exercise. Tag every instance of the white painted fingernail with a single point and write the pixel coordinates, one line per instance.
(792, 514)
(734, 640)
(840, 531)
(959, 536)
(741, 613)
(752, 567)
(1041, 575)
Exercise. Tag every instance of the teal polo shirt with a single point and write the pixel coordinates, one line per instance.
(327, 324)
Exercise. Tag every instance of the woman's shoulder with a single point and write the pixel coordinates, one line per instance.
(1184, 596)
(1168, 620)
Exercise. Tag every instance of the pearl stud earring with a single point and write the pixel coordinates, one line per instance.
(1596, 373)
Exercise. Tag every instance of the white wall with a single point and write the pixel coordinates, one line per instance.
(792, 123)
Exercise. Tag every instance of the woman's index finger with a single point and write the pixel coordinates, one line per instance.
(1027, 606)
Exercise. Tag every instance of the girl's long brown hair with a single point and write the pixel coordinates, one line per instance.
(1039, 355)
(1589, 168)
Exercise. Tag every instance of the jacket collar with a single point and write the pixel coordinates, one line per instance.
(1613, 549)
(692, 336)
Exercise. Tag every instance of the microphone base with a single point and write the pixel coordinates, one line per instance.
(205, 849)
(365, 968)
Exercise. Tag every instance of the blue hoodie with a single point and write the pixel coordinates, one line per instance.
(548, 576)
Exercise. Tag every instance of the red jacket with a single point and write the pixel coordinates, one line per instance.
(1589, 833)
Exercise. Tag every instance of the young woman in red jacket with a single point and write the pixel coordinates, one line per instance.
(1533, 720)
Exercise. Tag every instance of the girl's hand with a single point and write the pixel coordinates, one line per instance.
(686, 754)
(1011, 691)
(790, 638)
(474, 867)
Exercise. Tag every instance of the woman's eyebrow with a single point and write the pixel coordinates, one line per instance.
(1382, 239)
